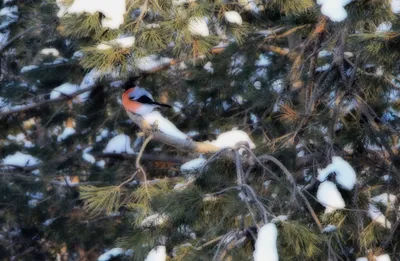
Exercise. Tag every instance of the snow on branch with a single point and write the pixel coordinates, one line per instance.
(31, 105)
(182, 144)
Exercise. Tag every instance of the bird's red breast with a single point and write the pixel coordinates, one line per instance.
(128, 104)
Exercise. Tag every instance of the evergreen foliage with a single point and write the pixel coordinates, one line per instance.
(303, 87)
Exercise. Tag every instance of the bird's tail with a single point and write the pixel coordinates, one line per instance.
(162, 104)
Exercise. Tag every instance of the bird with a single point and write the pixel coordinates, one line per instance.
(139, 101)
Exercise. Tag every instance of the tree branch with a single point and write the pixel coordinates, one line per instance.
(30, 106)
(187, 145)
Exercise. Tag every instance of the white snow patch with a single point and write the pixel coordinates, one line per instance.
(208, 67)
(50, 51)
(28, 68)
(329, 196)
(384, 27)
(111, 254)
(35, 195)
(249, 5)
(157, 254)
(193, 164)
(198, 26)
(89, 158)
(21, 160)
(36, 172)
(345, 174)
(257, 85)
(49, 221)
(225, 105)
(230, 138)
(253, 118)
(192, 133)
(151, 62)
(329, 229)
(101, 164)
(278, 85)
(154, 220)
(384, 257)
(395, 4)
(123, 42)
(163, 125)
(334, 9)
(263, 60)
(113, 10)
(233, 17)
(119, 144)
(324, 53)
(177, 106)
(77, 55)
(10, 12)
(385, 199)
(238, 99)
(323, 68)
(33, 203)
(68, 131)
(66, 89)
(4, 37)
(387, 178)
(376, 215)
(265, 247)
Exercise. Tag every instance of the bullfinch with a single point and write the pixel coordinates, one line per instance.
(140, 101)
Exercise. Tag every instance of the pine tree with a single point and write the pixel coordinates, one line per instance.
(307, 81)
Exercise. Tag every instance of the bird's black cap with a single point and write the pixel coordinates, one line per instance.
(130, 83)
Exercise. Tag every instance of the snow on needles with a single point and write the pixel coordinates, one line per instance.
(334, 9)
(50, 51)
(123, 42)
(164, 125)
(233, 17)
(119, 144)
(21, 160)
(265, 248)
(329, 196)
(157, 254)
(230, 138)
(113, 10)
(198, 26)
(345, 174)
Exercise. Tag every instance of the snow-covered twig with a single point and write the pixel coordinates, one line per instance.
(30, 106)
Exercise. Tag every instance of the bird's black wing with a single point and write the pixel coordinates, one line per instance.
(143, 99)
(147, 100)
